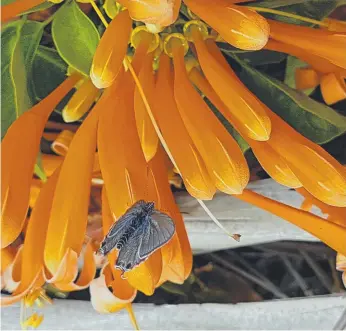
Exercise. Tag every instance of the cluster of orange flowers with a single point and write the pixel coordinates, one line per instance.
(141, 115)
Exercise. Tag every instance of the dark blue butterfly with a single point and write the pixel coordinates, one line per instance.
(137, 234)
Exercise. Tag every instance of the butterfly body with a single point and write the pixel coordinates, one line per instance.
(137, 234)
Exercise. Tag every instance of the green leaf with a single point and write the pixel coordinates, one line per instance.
(40, 7)
(75, 37)
(292, 64)
(314, 120)
(19, 42)
(6, 2)
(315, 9)
(262, 57)
(30, 37)
(48, 71)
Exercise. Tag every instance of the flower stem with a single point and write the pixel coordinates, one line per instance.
(281, 13)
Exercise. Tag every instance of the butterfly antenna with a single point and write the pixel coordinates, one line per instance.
(235, 236)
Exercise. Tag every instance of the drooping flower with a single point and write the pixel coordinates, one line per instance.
(330, 46)
(156, 14)
(244, 106)
(110, 51)
(119, 140)
(17, 169)
(320, 71)
(81, 101)
(191, 165)
(222, 155)
(239, 26)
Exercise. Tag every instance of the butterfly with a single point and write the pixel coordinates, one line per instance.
(137, 234)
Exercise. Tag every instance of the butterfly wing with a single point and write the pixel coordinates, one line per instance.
(157, 231)
(119, 228)
(128, 256)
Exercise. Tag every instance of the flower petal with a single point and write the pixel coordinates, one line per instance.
(322, 176)
(306, 78)
(239, 26)
(196, 178)
(111, 51)
(35, 237)
(105, 301)
(318, 63)
(17, 168)
(146, 131)
(222, 155)
(333, 88)
(331, 234)
(271, 161)
(241, 103)
(157, 12)
(125, 170)
(86, 275)
(176, 254)
(336, 215)
(80, 102)
(330, 45)
(15, 8)
(68, 219)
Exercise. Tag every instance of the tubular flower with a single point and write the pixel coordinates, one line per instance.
(124, 171)
(330, 233)
(69, 211)
(16, 170)
(122, 293)
(243, 105)
(226, 164)
(156, 14)
(116, 146)
(320, 71)
(192, 167)
(146, 131)
(333, 88)
(322, 176)
(330, 46)
(270, 160)
(335, 25)
(110, 51)
(81, 101)
(239, 26)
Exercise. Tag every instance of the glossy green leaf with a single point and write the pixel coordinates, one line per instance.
(40, 7)
(314, 120)
(6, 2)
(48, 71)
(30, 37)
(19, 43)
(75, 37)
(292, 64)
(262, 57)
(315, 9)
